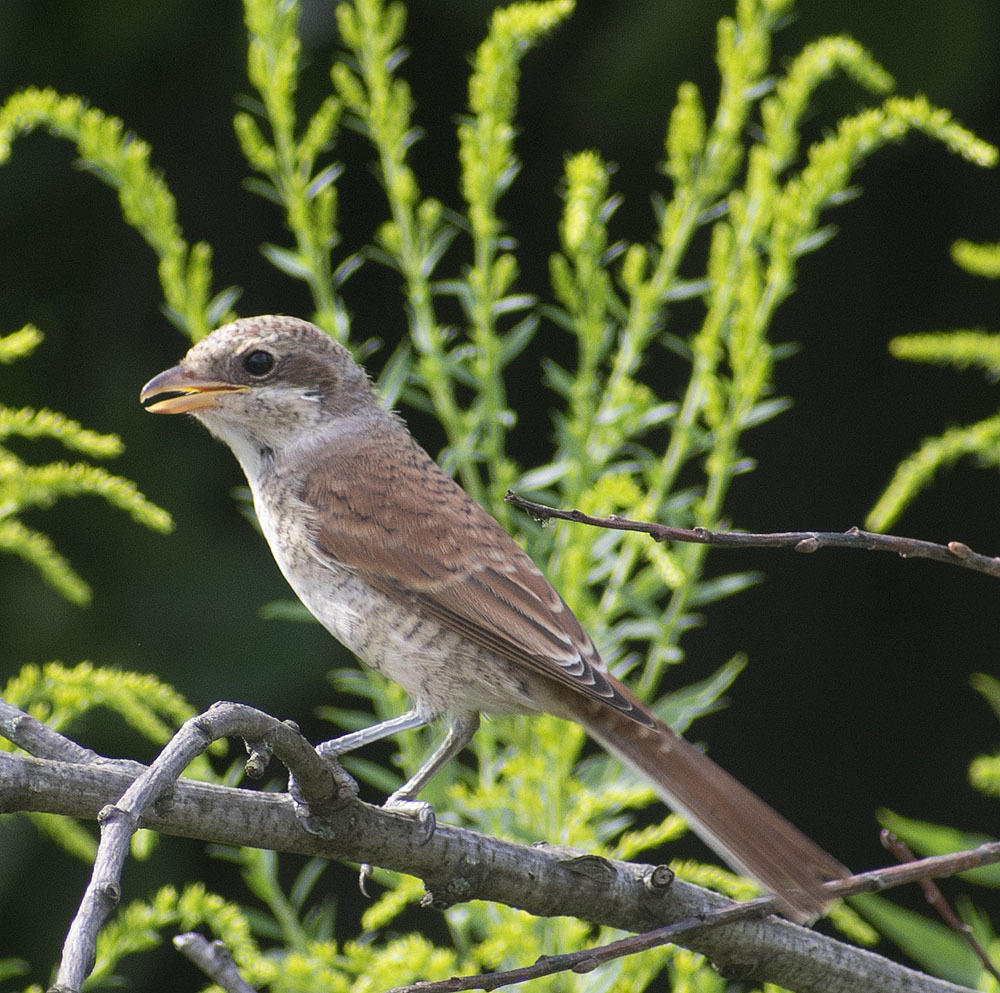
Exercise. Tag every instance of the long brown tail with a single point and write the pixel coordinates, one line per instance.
(739, 826)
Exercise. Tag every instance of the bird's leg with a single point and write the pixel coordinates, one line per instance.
(357, 739)
(460, 731)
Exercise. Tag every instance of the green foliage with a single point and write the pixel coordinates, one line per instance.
(24, 487)
(960, 349)
(289, 162)
(984, 772)
(931, 944)
(448, 363)
(980, 260)
(55, 694)
(927, 839)
(771, 220)
(122, 161)
(621, 440)
(58, 696)
(141, 925)
(309, 965)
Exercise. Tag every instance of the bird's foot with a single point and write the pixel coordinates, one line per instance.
(421, 811)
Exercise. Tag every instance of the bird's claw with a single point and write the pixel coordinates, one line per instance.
(365, 873)
(421, 812)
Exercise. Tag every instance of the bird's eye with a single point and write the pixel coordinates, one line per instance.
(258, 362)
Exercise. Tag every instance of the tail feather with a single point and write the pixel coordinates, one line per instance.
(751, 836)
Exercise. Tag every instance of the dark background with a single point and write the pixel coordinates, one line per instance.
(857, 694)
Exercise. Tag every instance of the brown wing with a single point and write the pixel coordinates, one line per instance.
(393, 517)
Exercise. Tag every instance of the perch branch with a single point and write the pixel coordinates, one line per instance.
(459, 865)
(953, 553)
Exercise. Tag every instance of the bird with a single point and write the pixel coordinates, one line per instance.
(423, 585)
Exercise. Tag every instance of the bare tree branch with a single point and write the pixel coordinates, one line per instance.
(589, 959)
(38, 739)
(953, 553)
(323, 784)
(456, 864)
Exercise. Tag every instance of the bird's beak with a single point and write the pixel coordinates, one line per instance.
(178, 391)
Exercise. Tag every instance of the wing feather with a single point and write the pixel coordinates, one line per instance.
(388, 513)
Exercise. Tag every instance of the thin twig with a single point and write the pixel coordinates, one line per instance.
(934, 896)
(214, 959)
(953, 553)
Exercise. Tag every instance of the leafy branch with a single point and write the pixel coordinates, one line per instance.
(959, 349)
(24, 487)
(288, 162)
(122, 161)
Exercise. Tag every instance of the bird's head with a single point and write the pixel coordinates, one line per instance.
(263, 381)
